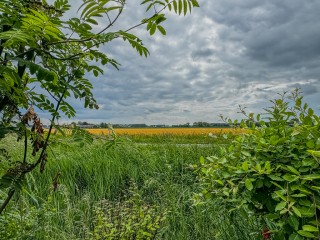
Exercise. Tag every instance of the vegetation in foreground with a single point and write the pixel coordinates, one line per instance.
(83, 194)
(260, 184)
(273, 171)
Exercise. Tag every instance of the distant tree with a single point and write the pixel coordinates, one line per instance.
(45, 59)
(103, 125)
(201, 124)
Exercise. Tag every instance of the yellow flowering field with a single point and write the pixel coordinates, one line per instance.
(164, 131)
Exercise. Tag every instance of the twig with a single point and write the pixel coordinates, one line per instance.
(5, 203)
(25, 146)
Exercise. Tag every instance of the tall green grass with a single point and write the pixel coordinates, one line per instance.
(89, 174)
(178, 138)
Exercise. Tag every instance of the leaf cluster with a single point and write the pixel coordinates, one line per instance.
(178, 6)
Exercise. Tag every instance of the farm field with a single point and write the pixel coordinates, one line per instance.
(171, 135)
(81, 186)
(167, 131)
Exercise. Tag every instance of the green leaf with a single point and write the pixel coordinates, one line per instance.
(153, 29)
(175, 6)
(87, 9)
(258, 167)
(109, 9)
(267, 166)
(248, 184)
(315, 188)
(201, 160)
(272, 216)
(295, 236)
(276, 178)
(309, 228)
(308, 162)
(276, 184)
(290, 178)
(274, 140)
(310, 144)
(307, 211)
(310, 112)
(314, 153)
(307, 121)
(298, 195)
(145, 1)
(245, 166)
(92, 21)
(185, 7)
(220, 182)
(180, 5)
(246, 153)
(162, 30)
(293, 222)
(40, 15)
(160, 19)
(306, 234)
(149, 25)
(311, 177)
(296, 211)
(190, 6)
(42, 74)
(195, 3)
(18, 36)
(293, 170)
(280, 206)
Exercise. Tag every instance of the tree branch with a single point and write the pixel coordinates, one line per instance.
(25, 146)
(5, 203)
(90, 38)
(51, 125)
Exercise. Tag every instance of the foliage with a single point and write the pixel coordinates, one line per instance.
(272, 171)
(35, 221)
(130, 218)
(46, 60)
(127, 219)
(92, 173)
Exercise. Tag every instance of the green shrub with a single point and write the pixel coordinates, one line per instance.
(272, 170)
(127, 219)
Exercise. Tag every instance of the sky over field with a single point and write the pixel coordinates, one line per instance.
(226, 53)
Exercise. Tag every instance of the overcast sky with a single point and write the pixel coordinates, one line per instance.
(226, 53)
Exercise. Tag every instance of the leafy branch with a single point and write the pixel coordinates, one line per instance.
(40, 52)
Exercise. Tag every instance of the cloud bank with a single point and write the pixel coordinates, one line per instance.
(224, 54)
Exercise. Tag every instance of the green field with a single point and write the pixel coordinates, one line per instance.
(158, 172)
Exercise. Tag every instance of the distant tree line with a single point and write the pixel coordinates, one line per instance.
(203, 124)
(85, 124)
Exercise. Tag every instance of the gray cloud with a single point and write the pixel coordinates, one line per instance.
(225, 54)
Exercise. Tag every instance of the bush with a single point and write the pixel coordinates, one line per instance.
(272, 170)
(127, 219)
